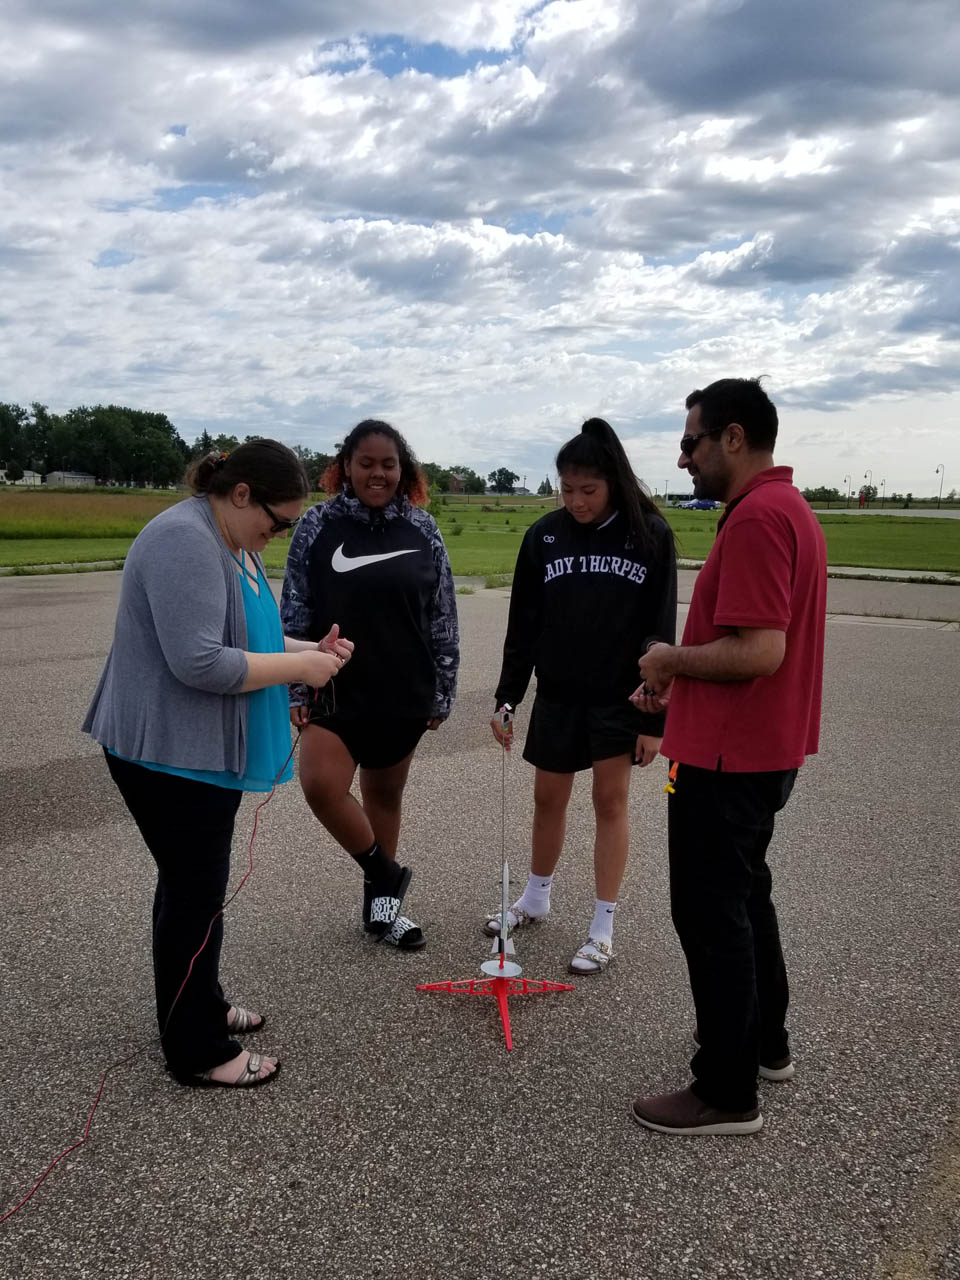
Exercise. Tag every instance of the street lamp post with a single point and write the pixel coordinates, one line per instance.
(868, 472)
(883, 492)
(940, 494)
(848, 481)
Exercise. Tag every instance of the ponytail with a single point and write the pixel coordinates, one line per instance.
(201, 471)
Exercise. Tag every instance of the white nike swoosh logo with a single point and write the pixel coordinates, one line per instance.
(343, 564)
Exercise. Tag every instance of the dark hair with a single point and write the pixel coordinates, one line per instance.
(412, 484)
(598, 448)
(740, 400)
(273, 472)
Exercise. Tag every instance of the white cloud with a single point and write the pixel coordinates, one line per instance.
(485, 220)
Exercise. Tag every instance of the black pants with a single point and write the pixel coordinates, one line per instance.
(188, 827)
(720, 825)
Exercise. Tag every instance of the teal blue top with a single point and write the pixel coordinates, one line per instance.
(268, 710)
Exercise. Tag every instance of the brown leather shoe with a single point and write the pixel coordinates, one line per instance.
(683, 1112)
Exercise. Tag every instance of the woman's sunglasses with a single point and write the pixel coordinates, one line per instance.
(279, 525)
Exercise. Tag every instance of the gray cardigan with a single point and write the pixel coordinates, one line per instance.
(169, 691)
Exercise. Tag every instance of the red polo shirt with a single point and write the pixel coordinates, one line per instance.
(767, 569)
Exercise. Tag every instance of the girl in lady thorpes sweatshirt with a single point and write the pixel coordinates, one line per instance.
(595, 584)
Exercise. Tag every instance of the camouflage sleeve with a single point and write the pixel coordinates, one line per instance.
(444, 626)
(296, 604)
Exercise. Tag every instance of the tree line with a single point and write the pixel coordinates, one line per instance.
(115, 444)
(123, 446)
(869, 492)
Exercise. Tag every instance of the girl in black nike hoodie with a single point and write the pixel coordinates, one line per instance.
(374, 561)
(595, 584)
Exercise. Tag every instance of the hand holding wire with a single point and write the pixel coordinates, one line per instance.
(656, 668)
(316, 668)
(644, 699)
(502, 726)
(334, 643)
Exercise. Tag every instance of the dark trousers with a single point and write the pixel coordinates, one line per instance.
(188, 828)
(720, 825)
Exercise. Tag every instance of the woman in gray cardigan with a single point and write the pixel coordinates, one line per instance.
(191, 710)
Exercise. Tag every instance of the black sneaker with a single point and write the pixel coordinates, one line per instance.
(778, 1070)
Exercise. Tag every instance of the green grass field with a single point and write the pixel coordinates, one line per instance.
(893, 542)
(36, 513)
(62, 550)
(482, 536)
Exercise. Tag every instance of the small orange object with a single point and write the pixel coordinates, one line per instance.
(670, 789)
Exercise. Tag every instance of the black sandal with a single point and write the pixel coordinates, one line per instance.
(404, 935)
(385, 904)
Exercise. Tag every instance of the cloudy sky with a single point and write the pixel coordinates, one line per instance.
(487, 219)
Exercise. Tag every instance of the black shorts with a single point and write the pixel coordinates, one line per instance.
(565, 738)
(374, 744)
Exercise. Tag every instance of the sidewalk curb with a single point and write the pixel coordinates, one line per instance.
(857, 573)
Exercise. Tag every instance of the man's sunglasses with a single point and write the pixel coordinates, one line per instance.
(279, 525)
(689, 443)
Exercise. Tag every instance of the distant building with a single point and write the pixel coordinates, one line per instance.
(70, 479)
(460, 481)
(30, 478)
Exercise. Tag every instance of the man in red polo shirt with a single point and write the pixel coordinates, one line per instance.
(743, 690)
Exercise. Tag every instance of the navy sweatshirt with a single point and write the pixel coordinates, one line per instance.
(384, 576)
(584, 606)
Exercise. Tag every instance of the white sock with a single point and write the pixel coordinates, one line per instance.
(601, 926)
(535, 898)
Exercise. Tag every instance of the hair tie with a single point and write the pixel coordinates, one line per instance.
(219, 462)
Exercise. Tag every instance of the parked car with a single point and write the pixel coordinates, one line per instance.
(700, 504)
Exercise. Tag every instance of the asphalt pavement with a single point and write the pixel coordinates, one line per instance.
(401, 1139)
